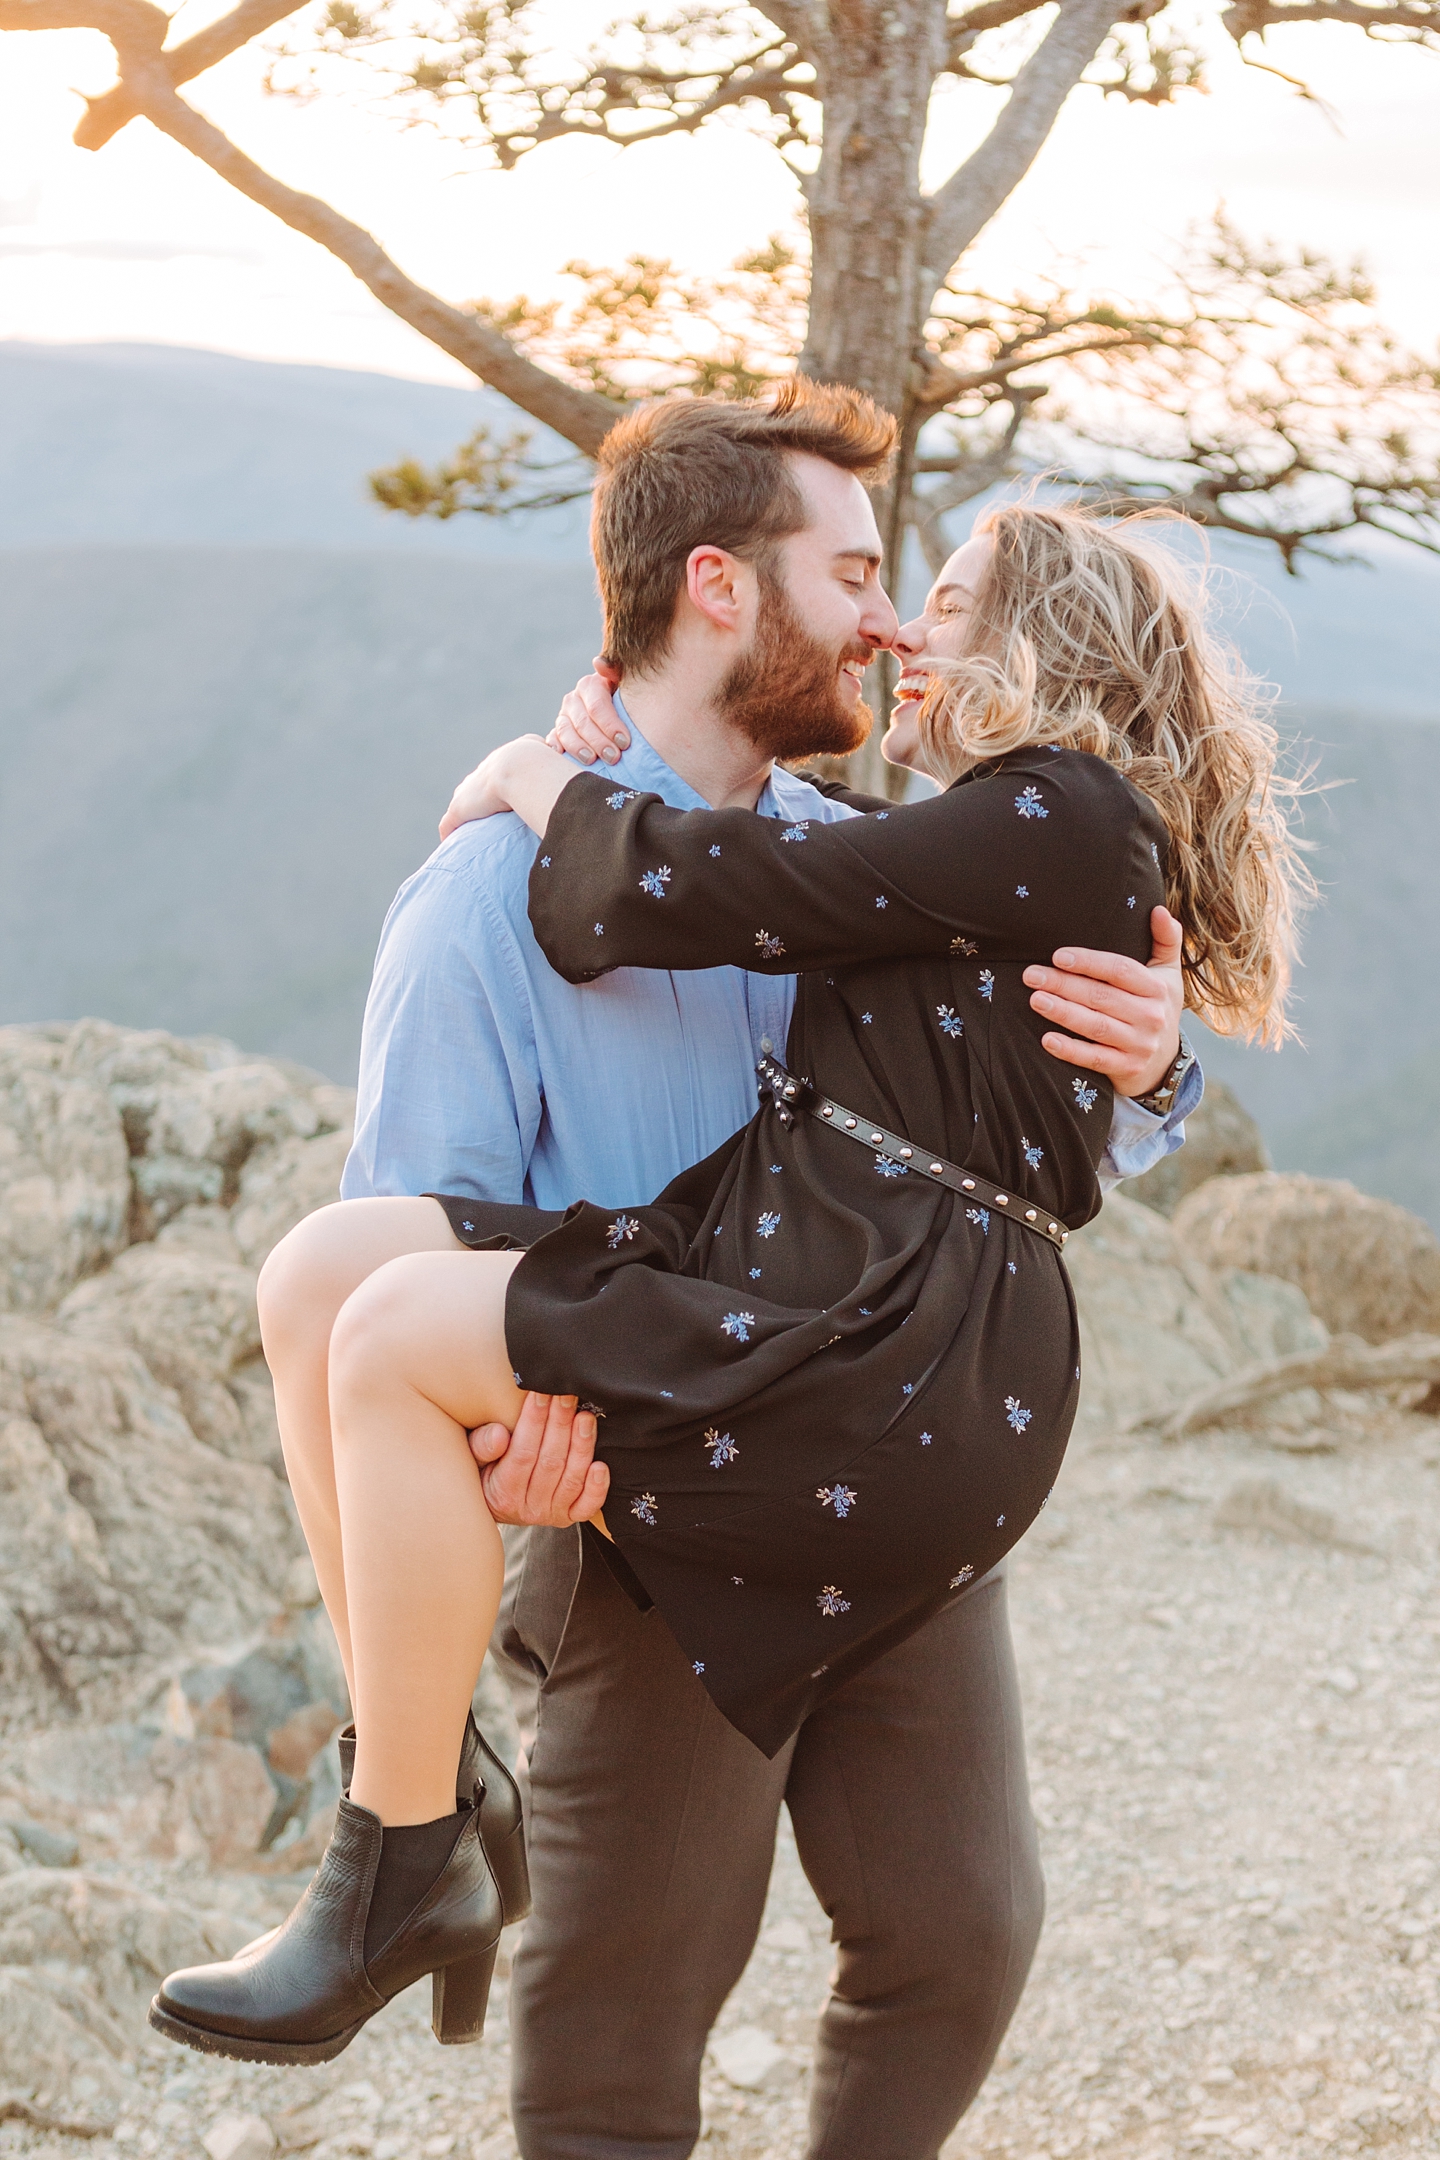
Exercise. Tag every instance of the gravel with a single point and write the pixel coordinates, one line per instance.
(1233, 1695)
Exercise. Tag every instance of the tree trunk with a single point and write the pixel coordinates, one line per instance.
(870, 290)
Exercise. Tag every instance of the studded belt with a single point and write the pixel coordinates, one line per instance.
(791, 1095)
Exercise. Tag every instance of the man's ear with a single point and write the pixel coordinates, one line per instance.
(718, 586)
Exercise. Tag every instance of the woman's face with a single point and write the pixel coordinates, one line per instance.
(943, 629)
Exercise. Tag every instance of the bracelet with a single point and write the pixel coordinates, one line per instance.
(1160, 1099)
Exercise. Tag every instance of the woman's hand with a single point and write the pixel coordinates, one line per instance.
(524, 776)
(589, 725)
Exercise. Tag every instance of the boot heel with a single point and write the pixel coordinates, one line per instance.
(511, 1870)
(458, 1996)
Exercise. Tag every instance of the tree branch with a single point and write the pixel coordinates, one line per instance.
(1412, 18)
(137, 31)
(108, 113)
(965, 204)
(1347, 1363)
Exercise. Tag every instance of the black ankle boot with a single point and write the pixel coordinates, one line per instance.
(301, 1994)
(482, 1781)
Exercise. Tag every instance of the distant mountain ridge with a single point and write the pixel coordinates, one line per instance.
(235, 695)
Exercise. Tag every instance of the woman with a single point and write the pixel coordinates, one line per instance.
(836, 1363)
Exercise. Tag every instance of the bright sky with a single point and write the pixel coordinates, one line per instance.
(142, 242)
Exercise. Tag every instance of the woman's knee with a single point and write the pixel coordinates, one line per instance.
(375, 1335)
(304, 1281)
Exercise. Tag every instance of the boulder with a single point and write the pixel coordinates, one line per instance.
(1366, 1266)
(193, 1320)
(80, 1958)
(1221, 1140)
(123, 1537)
(282, 1186)
(64, 1174)
(1157, 1325)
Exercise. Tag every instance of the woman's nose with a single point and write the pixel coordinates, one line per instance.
(911, 638)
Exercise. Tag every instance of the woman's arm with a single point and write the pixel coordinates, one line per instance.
(998, 868)
(525, 776)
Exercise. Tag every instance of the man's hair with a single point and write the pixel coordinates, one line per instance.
(700, 472)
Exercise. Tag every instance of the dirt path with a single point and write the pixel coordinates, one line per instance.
(1235, 1745)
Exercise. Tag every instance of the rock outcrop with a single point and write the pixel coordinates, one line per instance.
(1157, 1325)
(1366, 1266)
(143, 1510)
(1221, 1140)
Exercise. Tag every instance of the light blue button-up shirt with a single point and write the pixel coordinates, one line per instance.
(482, 1073)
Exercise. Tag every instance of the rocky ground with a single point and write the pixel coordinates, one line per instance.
(1228, 1645)
(1229, 1650)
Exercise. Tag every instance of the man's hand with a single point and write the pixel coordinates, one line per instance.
(1126, 1017)
(545, 1472)
(589, 726)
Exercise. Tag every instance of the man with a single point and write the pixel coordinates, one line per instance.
(738, 561)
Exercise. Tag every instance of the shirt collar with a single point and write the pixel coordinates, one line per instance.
(642, 767)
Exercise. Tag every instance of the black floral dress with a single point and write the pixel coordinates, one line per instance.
(832, 1391)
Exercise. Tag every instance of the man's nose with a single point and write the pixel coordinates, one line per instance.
(880, 622)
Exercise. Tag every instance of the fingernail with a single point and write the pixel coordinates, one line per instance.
(1065, 958)
(1042, 1003)
(1032, 975)
(611, 757)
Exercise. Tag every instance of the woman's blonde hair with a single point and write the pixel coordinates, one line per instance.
(1091, 634)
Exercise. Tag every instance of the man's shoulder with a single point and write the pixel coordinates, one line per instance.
(488, 860)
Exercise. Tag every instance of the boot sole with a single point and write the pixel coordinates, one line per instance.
(237, 2049)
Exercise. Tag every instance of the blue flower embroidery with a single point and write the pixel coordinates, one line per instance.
(769, 946)
(1029, 805)
(754, 1274)
(880, 816)
(698, 1665)
(925, 1439)
(830, 1602)
(840, 1497)
(963, 948)
(866, 1018)
(1015, 1415)
(544, 862)
(621, 795)
(739, 1581)
(987, 985)
(950, 1022)
(1010, 1264)
(467, 1226)
(1022, 892)
(1130, 902)
(907, 1387)
(979, 1215)
(668, 1394)
(886, 1168)
(723, 1449)
(1033, 1155)
(643, 1509)
(768, 1224)
(776, 1168)
(621, 1231)
(1085, 1095)
(795, 832)
(881, 901)
(655, 881)
(1154, 854)
(738, 1324)
(999, 1522)
(716, 849)
(599, 929)
(963, 1577)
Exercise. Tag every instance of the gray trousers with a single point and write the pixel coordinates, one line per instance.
(652, 1833)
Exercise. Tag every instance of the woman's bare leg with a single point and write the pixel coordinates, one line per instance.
(303, 1285)
(417, 1357)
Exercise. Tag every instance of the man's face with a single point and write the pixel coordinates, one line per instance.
(821, 615)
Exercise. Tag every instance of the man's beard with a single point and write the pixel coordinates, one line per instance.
(784, 693)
